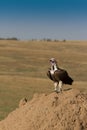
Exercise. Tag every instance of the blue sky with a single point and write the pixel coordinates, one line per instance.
(38, 19)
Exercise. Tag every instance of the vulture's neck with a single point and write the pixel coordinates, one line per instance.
(54, 67)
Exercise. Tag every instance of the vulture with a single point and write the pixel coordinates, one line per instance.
(58, 76)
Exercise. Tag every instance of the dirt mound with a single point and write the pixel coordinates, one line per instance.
(63, 111)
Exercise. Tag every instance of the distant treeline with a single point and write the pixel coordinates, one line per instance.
(49, 40)
(13, 38)
(45, 39)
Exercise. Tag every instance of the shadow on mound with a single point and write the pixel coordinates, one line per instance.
(67, 89)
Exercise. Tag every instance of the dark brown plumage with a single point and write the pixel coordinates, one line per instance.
(62, 75)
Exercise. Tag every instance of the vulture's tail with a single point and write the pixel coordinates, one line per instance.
(69, 80)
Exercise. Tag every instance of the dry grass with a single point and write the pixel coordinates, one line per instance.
(23, 67)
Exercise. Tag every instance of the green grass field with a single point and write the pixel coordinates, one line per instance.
(23, 67)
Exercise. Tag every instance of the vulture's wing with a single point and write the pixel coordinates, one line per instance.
(61, 74)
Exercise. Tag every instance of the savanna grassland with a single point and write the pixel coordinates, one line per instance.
(23, 67)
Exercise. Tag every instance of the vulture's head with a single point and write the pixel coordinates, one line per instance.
(53, 61)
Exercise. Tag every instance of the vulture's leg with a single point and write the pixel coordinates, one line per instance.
(60, 86)
(56, 86)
